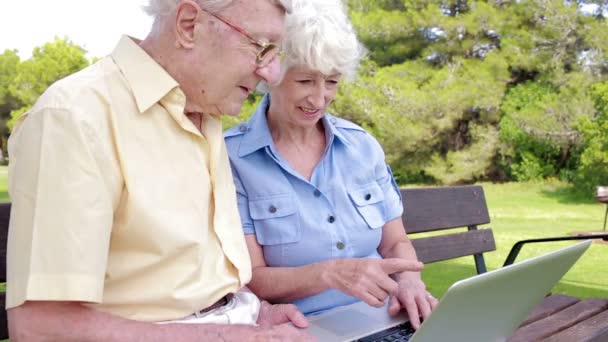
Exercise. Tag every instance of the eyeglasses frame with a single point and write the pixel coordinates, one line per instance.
(264, 45)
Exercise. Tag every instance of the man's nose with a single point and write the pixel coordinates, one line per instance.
(270, 73)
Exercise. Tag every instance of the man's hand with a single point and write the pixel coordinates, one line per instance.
(273, 318)
(367, 279)
(414, 298)
(280, 313)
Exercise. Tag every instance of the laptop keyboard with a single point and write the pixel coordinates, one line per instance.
(399, 333)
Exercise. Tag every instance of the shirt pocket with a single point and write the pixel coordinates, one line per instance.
(369, 202)
(275, 219)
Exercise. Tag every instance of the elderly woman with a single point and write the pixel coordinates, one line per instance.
(319, 206)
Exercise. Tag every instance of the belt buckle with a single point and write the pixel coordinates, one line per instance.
(220, 302)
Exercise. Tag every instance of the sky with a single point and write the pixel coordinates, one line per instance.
(94, 25)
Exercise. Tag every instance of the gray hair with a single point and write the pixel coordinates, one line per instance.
(319, 36)
(160, 8)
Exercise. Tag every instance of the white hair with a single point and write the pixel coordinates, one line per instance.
(159, 8)
(319, 36)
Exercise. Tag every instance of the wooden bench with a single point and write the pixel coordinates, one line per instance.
(441, 208)
(558, 318)
(426, 210)
(5, 212)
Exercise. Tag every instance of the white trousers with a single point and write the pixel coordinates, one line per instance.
(243, 308)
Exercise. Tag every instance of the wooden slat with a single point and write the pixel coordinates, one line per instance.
(3, 321)
(549, 306)
(5, 209)
(560, 321)
(448, 246)
(428, 209)
(600, 336)
(593, 328)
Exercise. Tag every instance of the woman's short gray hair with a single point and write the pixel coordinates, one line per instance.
(159, 8)
(319, 36)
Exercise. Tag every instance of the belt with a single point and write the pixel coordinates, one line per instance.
(221, 302)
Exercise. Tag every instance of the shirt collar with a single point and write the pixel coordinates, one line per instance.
(331, 124)
(258, 136)
(148, 80)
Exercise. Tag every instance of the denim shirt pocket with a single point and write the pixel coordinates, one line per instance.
(275, 219)
(369, 202)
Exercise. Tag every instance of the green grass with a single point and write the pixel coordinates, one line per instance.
(3, 184)
(533, 210)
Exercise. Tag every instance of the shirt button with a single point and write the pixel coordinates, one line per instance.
(331, 219)
(340, 245)
(368, 197)
(272, 209)
(333, 121)
(243, 128)
(317, 193)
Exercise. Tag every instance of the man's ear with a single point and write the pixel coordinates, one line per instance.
(186, 16)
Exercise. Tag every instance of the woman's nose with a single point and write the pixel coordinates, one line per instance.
(317, 97)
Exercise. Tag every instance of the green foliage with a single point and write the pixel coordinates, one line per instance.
(9, 61)
(593, 167)
(433, 123)
(538, 129)
(48, 64)
(247, 110)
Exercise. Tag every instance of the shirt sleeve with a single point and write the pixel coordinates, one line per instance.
(392, 195)
(62, 210)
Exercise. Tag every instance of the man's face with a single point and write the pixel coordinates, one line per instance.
(222, 68)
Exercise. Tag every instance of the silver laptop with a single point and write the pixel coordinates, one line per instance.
(486, 307)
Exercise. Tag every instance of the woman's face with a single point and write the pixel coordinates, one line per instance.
(303, 96)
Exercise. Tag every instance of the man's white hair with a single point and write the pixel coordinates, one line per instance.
(159, 8)
(319, 36)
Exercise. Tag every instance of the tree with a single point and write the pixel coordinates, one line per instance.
(48, 64)
(593, 168)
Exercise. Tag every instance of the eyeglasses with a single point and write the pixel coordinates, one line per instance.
(267, 51)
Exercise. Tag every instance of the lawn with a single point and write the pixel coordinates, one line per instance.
(522, 211)
(3, 184)
(533, 210)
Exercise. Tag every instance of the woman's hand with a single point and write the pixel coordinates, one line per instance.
(414, 298)
(367, 279)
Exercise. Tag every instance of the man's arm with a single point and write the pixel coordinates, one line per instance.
(71, 321)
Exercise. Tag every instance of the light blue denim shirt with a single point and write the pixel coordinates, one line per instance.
(339, 213)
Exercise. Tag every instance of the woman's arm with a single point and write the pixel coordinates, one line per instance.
(283, 284)
(366, 279)
(412, 295)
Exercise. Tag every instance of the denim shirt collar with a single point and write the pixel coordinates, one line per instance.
(257, 134)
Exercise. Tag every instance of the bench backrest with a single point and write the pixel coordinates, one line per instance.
(5, 213)
(439, 208)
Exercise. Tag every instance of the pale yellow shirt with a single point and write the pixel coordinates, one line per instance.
(118, 200)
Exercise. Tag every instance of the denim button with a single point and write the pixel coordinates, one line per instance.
(272, 209)
(331, 219)
(317, 193)
(340, 245)
(243, 128)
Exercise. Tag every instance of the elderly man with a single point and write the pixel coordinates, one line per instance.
(124, 214)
